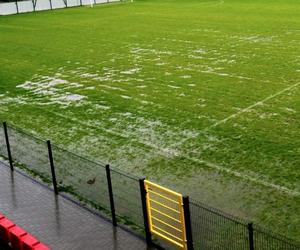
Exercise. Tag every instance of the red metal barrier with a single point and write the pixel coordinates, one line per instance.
(41, 246)
(5, 226)
(29, 242)
(16, 234)
(17, 237)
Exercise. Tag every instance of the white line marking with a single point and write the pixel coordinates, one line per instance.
(237, 114)
(252, 106)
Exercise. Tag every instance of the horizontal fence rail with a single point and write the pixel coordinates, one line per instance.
(133, 202)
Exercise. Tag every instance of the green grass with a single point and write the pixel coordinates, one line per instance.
(201, 96)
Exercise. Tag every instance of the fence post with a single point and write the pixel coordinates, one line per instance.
(111, 196)
(8, 147)
(145, 213)
(50, 1)
(52, 167)
(187, 221)
(17, 7)
(251, 240)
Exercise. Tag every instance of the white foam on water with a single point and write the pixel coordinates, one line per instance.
(256, 38)
(186, 76)
(267, 115)
(90, 88)
(126, 97)
(99, 106)
(173, 87)
(139, 51)
(206, 30)
(53, 91)
(290, 110)
(75, 85)
(112, 87)
(127, 114)
(195, 57)
(70, 97)
(89, 75)
(200, 51)
(14, 100)
(131, 71)
(175, 40)
(160, 63)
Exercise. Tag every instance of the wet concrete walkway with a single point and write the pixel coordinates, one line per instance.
(56, 221)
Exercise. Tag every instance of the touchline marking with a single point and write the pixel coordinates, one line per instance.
(238, 113)
(252, 106)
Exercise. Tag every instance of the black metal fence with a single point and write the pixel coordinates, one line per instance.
(118, 195)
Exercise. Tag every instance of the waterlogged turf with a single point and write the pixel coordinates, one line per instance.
(201, 96)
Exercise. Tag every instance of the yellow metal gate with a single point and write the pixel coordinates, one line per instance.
(166, 214)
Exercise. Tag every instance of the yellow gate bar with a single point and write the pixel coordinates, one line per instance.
(169, 221)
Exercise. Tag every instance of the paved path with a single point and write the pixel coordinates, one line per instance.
(56, 221)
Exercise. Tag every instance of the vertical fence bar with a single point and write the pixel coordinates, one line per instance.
(111, 196)
(251, 240)
(50, 1)
(33, 5)
(8, 147)
(145, 213)
(52, 167)
(17, 7)
(187, 221)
